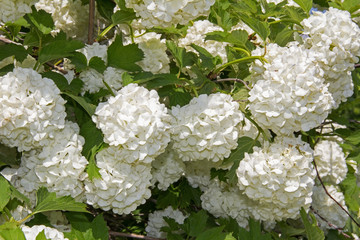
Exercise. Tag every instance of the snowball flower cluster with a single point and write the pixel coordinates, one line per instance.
(156, 221)
(11, 10)
(336, 40)
(50, 233)
(158, 13)
(196, 35)
(279, 174)
(69, 16)
(135, 121)
(330, 161)
(327, 208)
(122, 186)
(206, 128)
(291, 94)
(155, 57)
(32, 109)
(167, 168)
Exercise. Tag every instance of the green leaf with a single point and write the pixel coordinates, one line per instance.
(79, 60)
(8, 156)
(261, 28)
(159, 80)
(313, 232)
(47, 201)
(207, 60)
(8, 50)
(182, 57)
(354, 138)
(285, 36)
(11, 231)
(351, 191)
(195, 224)
(41, 20)
(92, 135)
(105, 8)
(245, 144)
(83, 227)
(59, 49)
(98, 64)
(5, 70)
(91, 169)
(16, 194)
(237, 37)
(122, 16)
(306, 5)
(254, 232)
(289, 231)
(88, 107)
(41, 236)
(58, 79)
(351, 5)
(5, 192)
(75, 86)
(212, 234)
(124, 57)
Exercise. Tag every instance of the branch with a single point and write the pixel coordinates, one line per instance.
(329, 223)
(235, 80)
(327, 193)
(357, 65)
(5, 40)
(91, 21)
(132, 235)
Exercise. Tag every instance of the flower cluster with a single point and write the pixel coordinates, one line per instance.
(135, 122)
(290, 94)
(279, 174)
(156, 221)
(206, 128)
(32, 109)
(11, 10)
(157, 13)
(50, 233)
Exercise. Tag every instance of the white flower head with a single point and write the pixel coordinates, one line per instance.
(156, 221)
(50, 233)
(279, 174)
(206, 128)
(11, 10)
(136, 121)
(158, 13)
(32, 109)
(122, 186)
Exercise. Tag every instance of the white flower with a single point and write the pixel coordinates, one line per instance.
(113, 77)
(94, 50)
(290, 95)
(136, 121)
(12, 10)
(167, 168)
(155, 57)
(156, 221)
(32, 109)
(122, 186)
(330, 161)
(158, 13)
(198, 173)
(69, 16)
(279, 174)
(327, 208)
(206, 128)
(50, 233)
(196, 34)
(336, 40)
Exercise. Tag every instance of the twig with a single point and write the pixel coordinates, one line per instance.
(327, 193)
(57, 68)
(132, 235)
(5, 40)
(357, 65)
(235, 80)
(91, 21)
(329, 223)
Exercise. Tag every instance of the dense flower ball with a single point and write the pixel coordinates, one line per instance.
(196, 35)
(93, 81)
(330, 161)
(32, 109)
(50, 233)
(94, 50)
(279, 174)
(336, 40)
(157, 13)
(113, 77)
(206, 128)
(167, 168)
(197, 173)
(327, 208)
(155, 57)
(291, 94)
(122, 186)
(12, 10)
(69, 16)
(156, 221)
(136, 121)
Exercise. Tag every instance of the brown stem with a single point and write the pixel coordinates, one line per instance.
(91, 21)
(57, 68)
(327, 193)
(235, 80)
(329, 223)
(132, 235)
(5, 40)
(357, 65)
